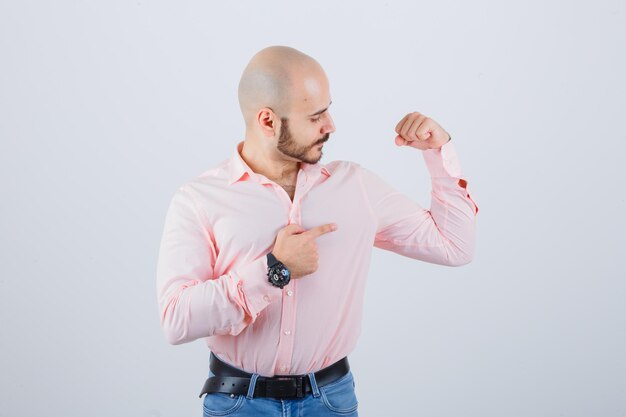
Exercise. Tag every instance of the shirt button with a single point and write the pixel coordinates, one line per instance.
(267, 298)
(283, 368)
(287, 332)
(232, 395)
(290, 293)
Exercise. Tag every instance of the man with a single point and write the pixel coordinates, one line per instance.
(266, 255)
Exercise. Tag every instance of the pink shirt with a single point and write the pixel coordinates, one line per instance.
(212, 269)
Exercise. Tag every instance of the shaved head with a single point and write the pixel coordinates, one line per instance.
(284, 97)
(274, 78)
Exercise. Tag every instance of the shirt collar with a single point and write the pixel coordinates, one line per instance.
(238, 170)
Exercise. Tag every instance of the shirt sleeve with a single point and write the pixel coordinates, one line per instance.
(194, 303)
(443, 235)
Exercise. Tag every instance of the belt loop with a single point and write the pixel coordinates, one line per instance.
(253, 379)
(316, 391)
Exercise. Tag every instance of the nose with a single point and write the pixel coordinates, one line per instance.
(329, 126)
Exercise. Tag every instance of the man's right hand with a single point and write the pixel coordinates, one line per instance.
(295, 247)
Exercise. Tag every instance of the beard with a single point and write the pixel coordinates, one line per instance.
(288, 146)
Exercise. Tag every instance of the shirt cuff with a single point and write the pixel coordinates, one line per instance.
(443, 162)
(253, 283)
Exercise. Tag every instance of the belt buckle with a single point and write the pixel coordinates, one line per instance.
(284, 387)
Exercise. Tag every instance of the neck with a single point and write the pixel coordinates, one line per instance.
(268, 162)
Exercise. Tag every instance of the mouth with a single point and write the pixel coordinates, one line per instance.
(321, 144)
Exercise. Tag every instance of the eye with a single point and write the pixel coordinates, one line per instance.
(316, 119)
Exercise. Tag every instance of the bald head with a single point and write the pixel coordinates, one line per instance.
(274, 78)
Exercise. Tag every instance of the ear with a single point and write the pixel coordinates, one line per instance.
(266, 120)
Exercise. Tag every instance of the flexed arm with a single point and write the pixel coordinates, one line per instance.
(445, 234)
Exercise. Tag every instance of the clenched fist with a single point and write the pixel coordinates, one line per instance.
(421, 132)
(297, 250)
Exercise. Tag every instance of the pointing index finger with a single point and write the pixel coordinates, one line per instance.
(321, 230)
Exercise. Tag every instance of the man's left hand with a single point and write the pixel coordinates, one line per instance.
(421, 132)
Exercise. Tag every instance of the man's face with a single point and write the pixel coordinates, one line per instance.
(310, 152)
(309, 125)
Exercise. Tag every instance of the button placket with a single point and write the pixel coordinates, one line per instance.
(288, 318)
(287, 325)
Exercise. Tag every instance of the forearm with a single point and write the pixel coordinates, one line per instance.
(190, 309)
(452, 209)
(453, 214)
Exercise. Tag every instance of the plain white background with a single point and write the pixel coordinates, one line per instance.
(107, 107)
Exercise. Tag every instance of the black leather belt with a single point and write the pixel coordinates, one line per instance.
(231, 380)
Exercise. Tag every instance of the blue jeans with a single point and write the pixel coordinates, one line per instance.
(335, 399)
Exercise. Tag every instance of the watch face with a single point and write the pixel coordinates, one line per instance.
(279, 275)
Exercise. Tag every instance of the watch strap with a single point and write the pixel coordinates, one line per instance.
(271, 260)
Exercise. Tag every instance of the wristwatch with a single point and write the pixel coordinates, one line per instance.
(277, 273)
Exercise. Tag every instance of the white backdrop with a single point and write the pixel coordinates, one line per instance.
(107, 107)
